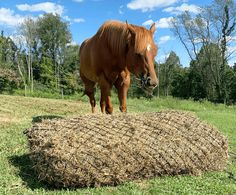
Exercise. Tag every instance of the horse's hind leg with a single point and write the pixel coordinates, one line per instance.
(89, 91)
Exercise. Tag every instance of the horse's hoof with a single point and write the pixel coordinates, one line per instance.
(109, 110)
(123, 109)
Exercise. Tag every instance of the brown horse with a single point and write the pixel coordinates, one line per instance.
(110, 55)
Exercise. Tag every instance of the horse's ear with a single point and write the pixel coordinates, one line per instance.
(153, 28)
(130, 28)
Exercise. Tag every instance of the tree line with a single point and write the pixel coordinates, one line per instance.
(209, 38)
(196, 81)
(42, 58)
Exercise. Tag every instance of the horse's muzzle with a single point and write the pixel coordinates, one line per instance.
(148, 82)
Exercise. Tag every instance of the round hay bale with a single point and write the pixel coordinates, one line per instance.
(95, 150)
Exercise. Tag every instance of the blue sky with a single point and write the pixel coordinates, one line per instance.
(86, 16)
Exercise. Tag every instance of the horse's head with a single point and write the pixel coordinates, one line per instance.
(141, 52)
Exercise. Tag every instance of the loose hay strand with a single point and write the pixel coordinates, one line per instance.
(96, 150)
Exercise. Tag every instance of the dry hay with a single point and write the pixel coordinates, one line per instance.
(95, 150)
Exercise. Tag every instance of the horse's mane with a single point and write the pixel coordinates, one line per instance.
(116, 35)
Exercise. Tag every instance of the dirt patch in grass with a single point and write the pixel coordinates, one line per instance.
(7, 119)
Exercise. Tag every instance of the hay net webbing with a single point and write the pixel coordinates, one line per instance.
(94, 150)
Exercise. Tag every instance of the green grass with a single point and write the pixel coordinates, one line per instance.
(17, 176)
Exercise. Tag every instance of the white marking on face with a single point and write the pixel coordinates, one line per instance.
(148, 47)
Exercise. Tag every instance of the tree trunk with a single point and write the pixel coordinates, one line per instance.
(22, 77)
(32, 78)
(158, 86)
(226, 32)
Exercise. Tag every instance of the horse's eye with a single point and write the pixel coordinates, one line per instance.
(138, 55)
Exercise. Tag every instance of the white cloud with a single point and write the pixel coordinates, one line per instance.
(9, 18)
(148, 22)
(148, 5)
(121, 10)
(162, 58)
(184, 7)
(47, 7)
(197, 40)
(66, 18)
(164, 39)
(71, 20)
(231, 38)
(78, 1)
(164, 22)
(231, 52)
(231, 49)
(79, 20)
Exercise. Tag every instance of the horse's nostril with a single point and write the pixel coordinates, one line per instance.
(154, 83)
(149, 81)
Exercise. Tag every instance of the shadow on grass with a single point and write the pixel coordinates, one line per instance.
(39, 119)
(30, 179)
(28, 175)
(25, 165)
(26, 172)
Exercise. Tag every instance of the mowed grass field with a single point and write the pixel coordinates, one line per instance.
(17, 176)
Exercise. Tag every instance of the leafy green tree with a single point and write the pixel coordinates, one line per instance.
(231, 84)
(22, 69)
(9, 80)
(215, 24)
(70, 80)
(47, 77)
(41, 57)
(28, 30)
(207, 66)
(167, 71)
(7, 52)
(54, 35)
(180, 84)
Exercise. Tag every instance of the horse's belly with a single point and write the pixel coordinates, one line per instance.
(90, 73)
(88, 69)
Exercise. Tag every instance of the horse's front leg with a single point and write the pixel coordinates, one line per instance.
(122, 85)
(105, 101)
